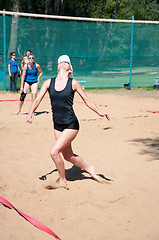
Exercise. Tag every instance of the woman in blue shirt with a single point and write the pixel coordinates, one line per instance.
(13, 70)
(30, 79)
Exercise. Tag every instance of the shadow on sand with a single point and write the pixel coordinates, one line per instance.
(73, 174)
(38, 113)
(151, 147)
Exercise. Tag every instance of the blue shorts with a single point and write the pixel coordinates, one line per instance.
(61, 127)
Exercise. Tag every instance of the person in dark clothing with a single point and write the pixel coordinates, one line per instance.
(13, 70)
(66, 126)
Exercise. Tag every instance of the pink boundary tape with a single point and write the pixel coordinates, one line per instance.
(152, 111)
(96, 104)
(16, 100)
(11, 100)
(33, 221)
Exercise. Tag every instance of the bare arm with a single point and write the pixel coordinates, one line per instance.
(22, 63)
(40, 71)
(22, 78)
(9, 70)
(19, 69)
(77, 87)
(37, 101)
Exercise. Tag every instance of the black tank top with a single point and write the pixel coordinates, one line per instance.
(62, 102)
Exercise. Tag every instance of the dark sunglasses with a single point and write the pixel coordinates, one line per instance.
(65, 62)
(31, 58)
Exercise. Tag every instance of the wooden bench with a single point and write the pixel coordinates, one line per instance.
(156, 79)
(82, 82)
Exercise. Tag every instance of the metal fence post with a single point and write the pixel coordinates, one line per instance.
(4, 49)
(131, 50)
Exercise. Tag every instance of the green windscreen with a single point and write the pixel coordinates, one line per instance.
(99, 51)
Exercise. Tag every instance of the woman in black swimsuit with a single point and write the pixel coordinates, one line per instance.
(61, 90)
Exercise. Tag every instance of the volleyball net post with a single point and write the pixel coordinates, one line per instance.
(131, 50)
(4, 51)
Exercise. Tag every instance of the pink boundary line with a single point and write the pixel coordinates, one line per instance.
(33, 221)
(96, 104)
(151, 111)
(11, 100)
(16, 100)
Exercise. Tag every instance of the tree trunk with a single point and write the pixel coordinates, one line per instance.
(16, 5)
(14, 28)
(116, 9)
(88, 9)
(47, 6)
(56, 7)
(111, 24)
(30, 8)
(62, 7)
(103, 9)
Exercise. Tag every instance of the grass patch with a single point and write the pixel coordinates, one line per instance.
(149, 88)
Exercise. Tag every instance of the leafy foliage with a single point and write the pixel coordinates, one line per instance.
(141, 9)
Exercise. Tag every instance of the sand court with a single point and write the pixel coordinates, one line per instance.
(124, 150)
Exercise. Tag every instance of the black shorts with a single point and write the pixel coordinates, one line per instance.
(30, 83)
(61, 127)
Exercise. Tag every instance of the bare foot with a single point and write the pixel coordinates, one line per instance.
(17, 112)
(97, 178)
(56, 185)
(93, 174)
(104, 181)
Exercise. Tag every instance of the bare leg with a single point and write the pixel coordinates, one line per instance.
(63, 139)
(20, 107)
(33, 96)
(34, 89)
(61, 181)
(26, 88)
(77, 161)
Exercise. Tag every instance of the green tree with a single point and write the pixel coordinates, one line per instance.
(140, 9)
(116, 9)
(120, 9)
(6, 4)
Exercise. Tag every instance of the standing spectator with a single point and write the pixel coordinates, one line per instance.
(25, 59)
(13, 70)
